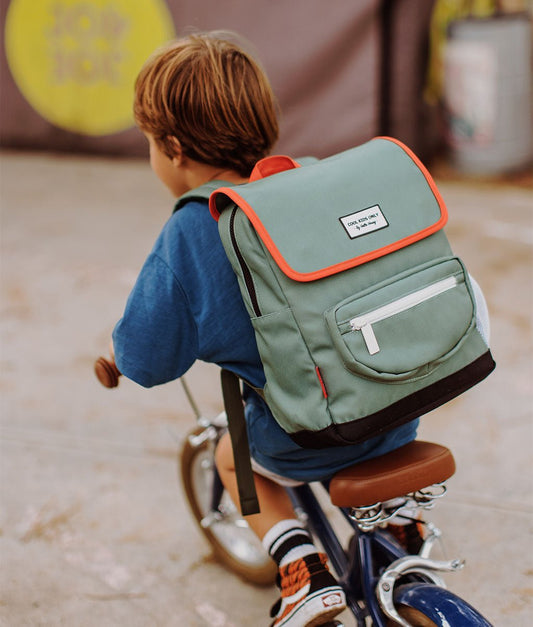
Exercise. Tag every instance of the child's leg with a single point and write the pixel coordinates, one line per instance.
(309, 593)
(274, 501)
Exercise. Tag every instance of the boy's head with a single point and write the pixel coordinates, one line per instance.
(210, 95)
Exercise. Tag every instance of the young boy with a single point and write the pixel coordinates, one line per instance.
(209, 114)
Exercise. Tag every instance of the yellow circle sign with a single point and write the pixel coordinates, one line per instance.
(75, 61)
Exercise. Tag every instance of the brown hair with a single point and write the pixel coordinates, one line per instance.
(213, 97)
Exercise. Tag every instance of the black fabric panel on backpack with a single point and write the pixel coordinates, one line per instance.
(401, 412)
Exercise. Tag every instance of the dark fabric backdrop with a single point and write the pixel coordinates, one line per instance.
(343, 72)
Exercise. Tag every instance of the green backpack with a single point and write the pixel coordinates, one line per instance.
(364, 318)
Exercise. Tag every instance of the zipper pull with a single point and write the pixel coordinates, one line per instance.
(370, 339)
(369, 336)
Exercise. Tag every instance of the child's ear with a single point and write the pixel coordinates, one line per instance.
(177, 152)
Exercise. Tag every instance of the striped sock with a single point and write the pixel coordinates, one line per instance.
(288, 541)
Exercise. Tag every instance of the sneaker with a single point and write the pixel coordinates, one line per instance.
(310, 595)
(410, 537)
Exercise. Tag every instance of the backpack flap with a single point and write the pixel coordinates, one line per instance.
(340, 212)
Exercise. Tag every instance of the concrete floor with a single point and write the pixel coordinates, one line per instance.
(94, 528)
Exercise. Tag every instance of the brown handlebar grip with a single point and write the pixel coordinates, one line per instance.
(106, 372)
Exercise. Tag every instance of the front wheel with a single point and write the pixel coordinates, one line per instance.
(428, 605)
(234, 544)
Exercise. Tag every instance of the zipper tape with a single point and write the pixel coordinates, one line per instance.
(364, 323)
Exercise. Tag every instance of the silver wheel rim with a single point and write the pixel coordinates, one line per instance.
(230, 530)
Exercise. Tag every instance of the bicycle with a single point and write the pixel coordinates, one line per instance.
(384, 585)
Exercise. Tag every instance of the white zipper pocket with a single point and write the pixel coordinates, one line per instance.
(364, 322)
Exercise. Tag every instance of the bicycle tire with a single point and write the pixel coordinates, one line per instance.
(428, 605)
(233, 543)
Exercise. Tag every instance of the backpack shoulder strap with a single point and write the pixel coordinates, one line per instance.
(199, 193)
(233, 404)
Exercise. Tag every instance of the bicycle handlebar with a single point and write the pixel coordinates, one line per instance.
(107, 372)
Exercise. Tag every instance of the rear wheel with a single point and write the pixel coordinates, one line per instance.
(234, 544)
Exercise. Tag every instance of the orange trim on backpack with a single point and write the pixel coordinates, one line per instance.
(349, 263)
(425, 172)
(272, 165)
(322, 384)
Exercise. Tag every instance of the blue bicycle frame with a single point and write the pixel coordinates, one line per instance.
(359, 569)
(357, 576)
